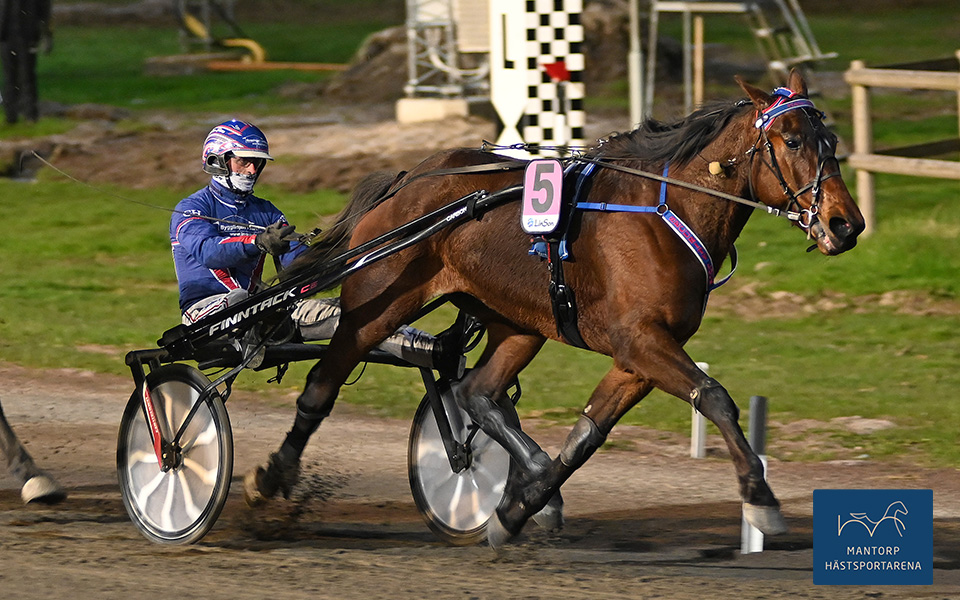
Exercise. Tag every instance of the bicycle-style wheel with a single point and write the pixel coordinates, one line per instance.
(181, 504)
(456, 506)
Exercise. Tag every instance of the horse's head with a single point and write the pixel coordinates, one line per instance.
(897, 507)
(794, 166)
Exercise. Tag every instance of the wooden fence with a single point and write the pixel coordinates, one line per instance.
(865, 161)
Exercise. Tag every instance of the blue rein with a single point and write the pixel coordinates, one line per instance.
(674, 222)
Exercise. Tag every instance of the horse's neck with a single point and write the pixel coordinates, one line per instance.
(716, 221)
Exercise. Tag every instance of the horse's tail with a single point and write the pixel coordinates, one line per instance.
(367, 195)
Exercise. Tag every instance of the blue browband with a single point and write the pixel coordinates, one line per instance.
(676, 224)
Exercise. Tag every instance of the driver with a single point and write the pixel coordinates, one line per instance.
(222, 234)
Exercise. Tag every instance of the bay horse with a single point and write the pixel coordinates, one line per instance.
(36, 484)
(640, 290)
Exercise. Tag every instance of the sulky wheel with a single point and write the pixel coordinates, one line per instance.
(179, 502)
(455, 505)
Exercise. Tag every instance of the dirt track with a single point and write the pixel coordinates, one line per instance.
(647, 522)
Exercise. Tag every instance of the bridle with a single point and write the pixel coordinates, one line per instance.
(787, 100)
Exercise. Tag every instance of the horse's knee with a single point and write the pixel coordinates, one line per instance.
(582, 442)
(712, 401)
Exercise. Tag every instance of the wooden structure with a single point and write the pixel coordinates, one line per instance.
(866, 161)
(779, 27)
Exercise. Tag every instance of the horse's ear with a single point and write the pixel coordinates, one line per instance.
(796, 82)
(760, 98)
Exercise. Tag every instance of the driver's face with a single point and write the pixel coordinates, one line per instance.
(245, 166)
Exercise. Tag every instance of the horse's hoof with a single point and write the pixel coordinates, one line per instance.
(251, 493)
(43, 489)
(550, 516)
(264, 482)
(768, 519)
(497, 534)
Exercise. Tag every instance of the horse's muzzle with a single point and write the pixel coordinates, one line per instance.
(838, 237)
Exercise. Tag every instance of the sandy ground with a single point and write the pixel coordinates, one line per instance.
(643, 520)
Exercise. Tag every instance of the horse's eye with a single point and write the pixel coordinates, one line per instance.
(792, 143)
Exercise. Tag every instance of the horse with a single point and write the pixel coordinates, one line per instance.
(640, 281)
(36, 484)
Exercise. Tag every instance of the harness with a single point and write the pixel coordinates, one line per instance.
(554, 250)
(677, 225)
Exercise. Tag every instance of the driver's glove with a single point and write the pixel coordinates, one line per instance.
(275, 239)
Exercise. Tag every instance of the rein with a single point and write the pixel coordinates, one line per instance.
(787, 214)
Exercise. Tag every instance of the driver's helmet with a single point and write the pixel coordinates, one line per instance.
(233, 138)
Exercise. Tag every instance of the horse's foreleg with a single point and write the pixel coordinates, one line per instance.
(675, 373)
(761, 508)
(37, 485)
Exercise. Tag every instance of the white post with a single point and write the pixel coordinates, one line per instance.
(751, 538)
(863, 146)
(508, 68)
(698, 427)
(698, 61)
(635, 66)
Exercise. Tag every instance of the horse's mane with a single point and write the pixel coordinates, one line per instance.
(677, 141)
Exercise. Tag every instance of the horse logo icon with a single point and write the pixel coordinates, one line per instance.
(895, 509)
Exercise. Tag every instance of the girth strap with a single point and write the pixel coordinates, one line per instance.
(563, 299)
(554, 250)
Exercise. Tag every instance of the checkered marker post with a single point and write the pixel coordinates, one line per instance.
(536, 77)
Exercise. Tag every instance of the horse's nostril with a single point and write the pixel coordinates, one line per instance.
(841, 228)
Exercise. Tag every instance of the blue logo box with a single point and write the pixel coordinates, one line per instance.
(878, 537)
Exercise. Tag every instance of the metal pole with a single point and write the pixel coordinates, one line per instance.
(635, 66)
(698, 60)
(687, 63)
(751, 539)
(651, 73)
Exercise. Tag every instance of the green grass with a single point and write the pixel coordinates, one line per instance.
(88, 277)
(106, 65)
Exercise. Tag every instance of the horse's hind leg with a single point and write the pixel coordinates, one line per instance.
(314, 404)
(355, 336)
(482, 394)
(37, 486)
